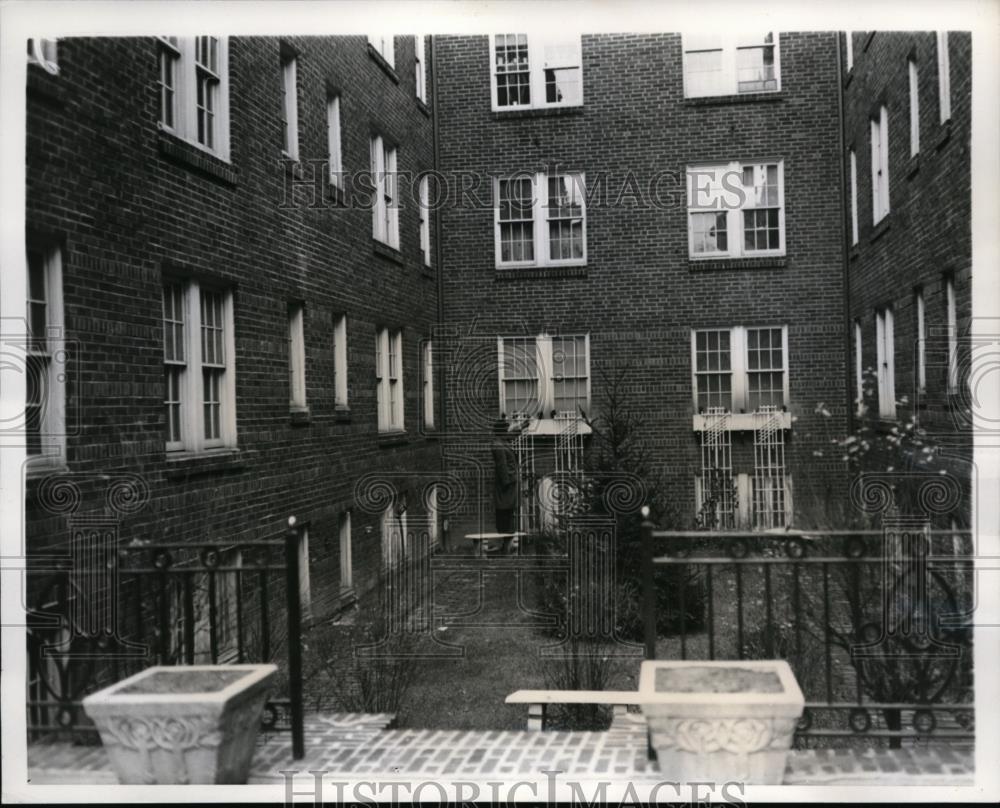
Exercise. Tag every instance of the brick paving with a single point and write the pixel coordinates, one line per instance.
(354, 746)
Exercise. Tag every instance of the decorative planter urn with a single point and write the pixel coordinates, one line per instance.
(182, 724)
(721, 721)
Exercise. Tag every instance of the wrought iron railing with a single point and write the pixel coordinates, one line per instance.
(102, 613)
(875, 624)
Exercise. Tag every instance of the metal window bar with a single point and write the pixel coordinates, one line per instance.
(769, 469)
(527, 505)
(716, 493)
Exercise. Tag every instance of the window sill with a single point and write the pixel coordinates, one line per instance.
(185, 465)
(180, 151)
(422, 106)
(535, 112)
(45, 85)
(430, 433)
(742, 421)
(427, 272)
(913, 165)
(396, 437)
(523, 273)
(379, 59)
(945, 135)
(712, 264)
(293, 168)
(335, 194)
(386, 251)
(37, 467)
(854, 253)
(299, 416)
(769, 96)
(342, 414)
(879, 230)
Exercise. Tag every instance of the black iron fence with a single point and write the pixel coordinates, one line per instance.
(876, 625)
(104, 612)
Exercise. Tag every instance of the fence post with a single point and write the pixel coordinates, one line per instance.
(292, 590)
(648, 592)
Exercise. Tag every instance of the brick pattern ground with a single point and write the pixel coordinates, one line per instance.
(353, 746)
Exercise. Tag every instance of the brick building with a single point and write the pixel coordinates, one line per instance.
(678, 227)
(220, 298)
(907, 117)
(249, 337)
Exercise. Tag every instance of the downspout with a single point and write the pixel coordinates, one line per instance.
(845, 240)
(438, 229)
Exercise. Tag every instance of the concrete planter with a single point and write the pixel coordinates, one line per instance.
(721, 721)
(182, 724)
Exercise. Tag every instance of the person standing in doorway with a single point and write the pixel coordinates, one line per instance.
(505, 478)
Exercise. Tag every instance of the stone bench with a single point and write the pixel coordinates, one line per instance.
(539, 700)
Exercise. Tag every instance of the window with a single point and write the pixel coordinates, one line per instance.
(420, 68)
(533, 72)
(886, 361)
(914, 108)
(389, 379)
(880, 165)
(340, 360)
(740, 369)
(346, 566)
(395, 538)
(425, 221)
(854, 197)
(918, 301)
(715, 64)
(45, 394)
(944, 76)
(385, 214)
(333, 140)
(296, 356)
(433, 516)
(736, 209)
(44, 53)
(952, 325)
(194, 91)
(428, 362)
(198, 347)
(859, 378)
(544, 376)
(385, 46)
(305, 593)
(289, 106)
(540, 220)
(849, 49)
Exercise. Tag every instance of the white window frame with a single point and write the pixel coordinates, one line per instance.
(47, 348)
(921, 312)
(425, 220)
(545, 368)
(192, 377)
(537, 46)
(914, 76)
(340, 378)
(296, 356)
(427, 351)
(729, 80)
(854, 197)
(885, 358)
(385, 211)
(44, 52)
(290, 105)
(944, 77)
(849, 49)
(346, 563)
(859, 376)
(385, 46)
(182, 52)
(739, 366)
(389, 380)
(730, 199)
(420, 67)
(880, 165)
(951, 316)
(334, 140)
(540, 220)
